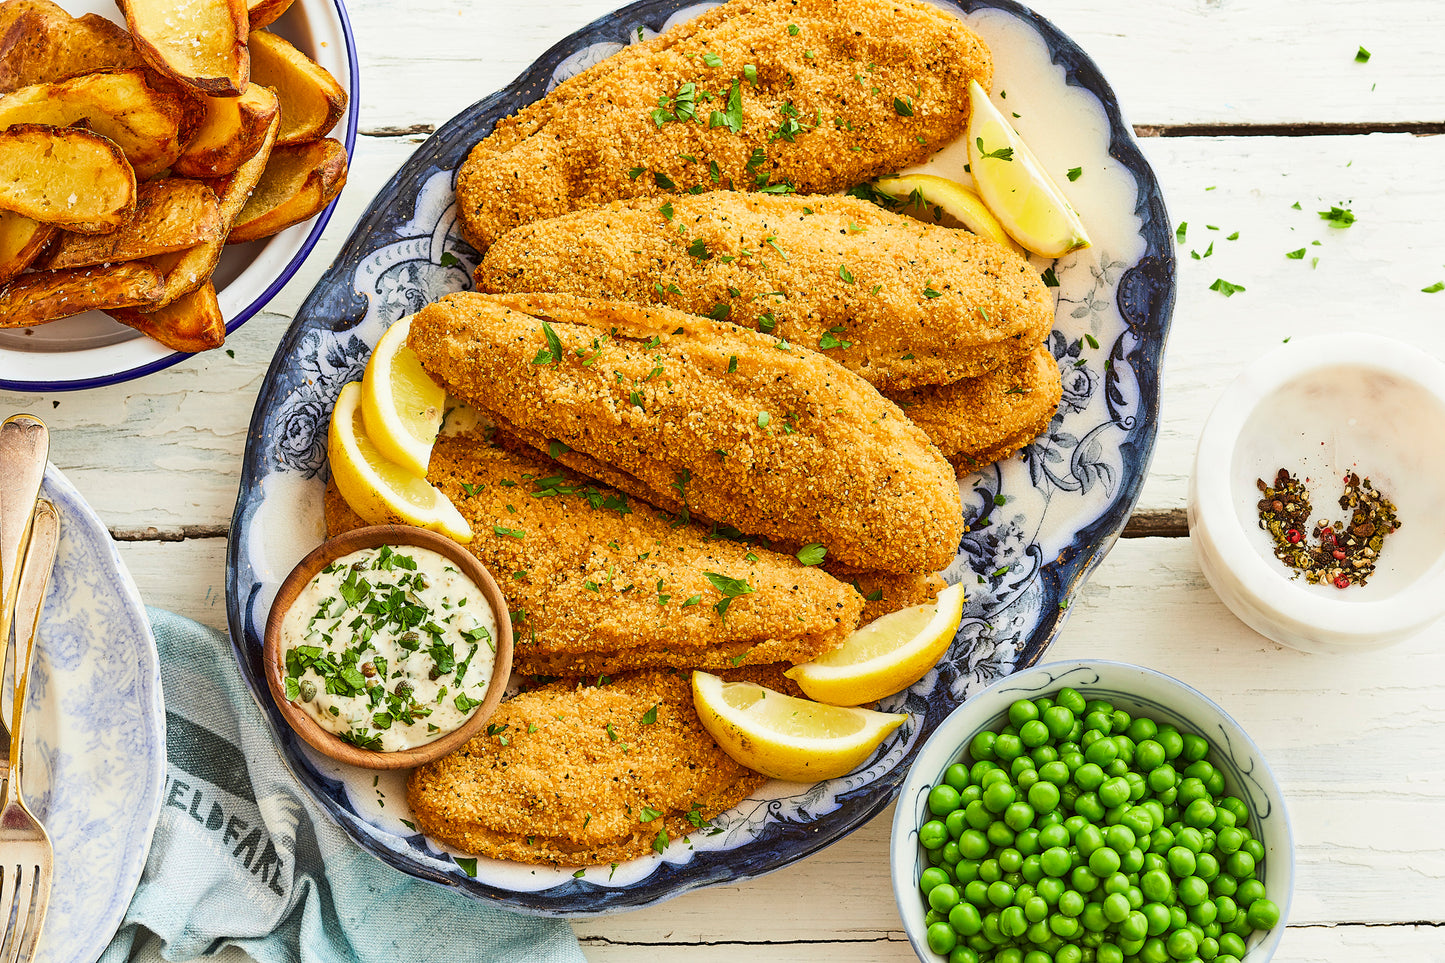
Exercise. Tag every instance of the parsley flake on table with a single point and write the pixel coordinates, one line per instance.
(1051, 280)
(1362, 56)
(1180, 231)
(1074, 172)
(1338, 216)
(1296, 255)
(1435, 288)
(1225, 288)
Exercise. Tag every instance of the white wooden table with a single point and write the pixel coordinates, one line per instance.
(1244, 107)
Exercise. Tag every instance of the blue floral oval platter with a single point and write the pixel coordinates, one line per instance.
(1038, 523)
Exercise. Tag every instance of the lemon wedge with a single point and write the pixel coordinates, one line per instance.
(785, 737)
(1015, 185)
(400, 403)
(380, 490)
(885, 656)
(954, 199)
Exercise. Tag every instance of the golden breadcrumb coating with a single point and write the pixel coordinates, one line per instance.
(980, 420)
(600, 583)
(812, 95)
(769, 438)
(583, 775)
(897, 301)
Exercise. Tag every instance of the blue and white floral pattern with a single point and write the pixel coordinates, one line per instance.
(1038, 523)
(95, 734)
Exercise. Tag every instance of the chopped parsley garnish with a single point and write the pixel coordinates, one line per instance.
(663, 181)
(812, 553)
(448, 259)
(730, 588)
(1074, 173)
(928, 292)
(792, 29)
(467, 864)
(509, 532)
(698, 249)
(712, 60)
(1362, 56)
(720, 311)
(1338, 216)
(650, 716)
(555, 448)
(764, 419)
(666, 210)
(846, 274)
(1180, 231)
(660, 841)
(829, 341)
(1093, 342)
(732, 116)
(732, 363)
(904, 108)
(1051, 280)
(1296, 255)
(1225, 288)
(552, 354)
(471, 489)
(636, 172)
(1435, 288)
(767, 321)
(751, 73)
(1003, 153)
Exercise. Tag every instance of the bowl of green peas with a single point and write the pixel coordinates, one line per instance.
(1091, 812)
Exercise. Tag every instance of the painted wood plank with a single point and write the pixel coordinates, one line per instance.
(1354, 742)
(1172, 62)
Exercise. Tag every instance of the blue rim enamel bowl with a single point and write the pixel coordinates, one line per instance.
(91, 350)
(1038, 523)
(1142, 693)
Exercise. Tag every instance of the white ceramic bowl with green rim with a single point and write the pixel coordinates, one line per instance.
(1142, 693)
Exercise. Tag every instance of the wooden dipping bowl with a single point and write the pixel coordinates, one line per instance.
(375, 536)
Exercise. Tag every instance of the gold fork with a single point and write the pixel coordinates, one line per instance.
(26, 857)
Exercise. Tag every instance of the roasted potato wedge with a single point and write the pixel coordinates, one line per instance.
(144, 122)
(232, 132)
(299, 181)
(201, 43)
(311, 99)
(21, 241)
(44, 44)
(191, 323)
(42, 296)
(66, 176)
(170, 215)
(263, 12)
(187, 270)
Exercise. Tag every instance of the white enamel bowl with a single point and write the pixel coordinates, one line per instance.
(1322, 407)
(1138, 691)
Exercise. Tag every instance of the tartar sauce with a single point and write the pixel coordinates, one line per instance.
(389, 648)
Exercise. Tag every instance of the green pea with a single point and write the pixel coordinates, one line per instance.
(1027, 842)
(1223, 819)
(1157, 885)
(1055, 835)
(989, 871)
(1068, 954)
(1089, 806)
(1074, 824)
(942, 800)
(1089, 776)
(1037, 956)
(1191, 839)
(1181, 944)
(1169, 738)
(1161, 840)
(1231, 943)
(1083, 879)
(1116, 908)
(996, 774)
(941, 938)
(1011, 921)
(963, 954)
(970, 793)
(1262, 914)
(1102, 752)
(1021, 711)
(1114, 791)
(1190, 789)
(1093, 919)
(932, 834)
(1071, 699)
(1055, 861)
(1043, 755)
(997, 797)
(1139, 819)
(1104, 862)
(1072, 758)
(944, 897)
(1036, 908)
(1199, 813)
(1065, 926)
(966, 870)
(977, 816)
(1223, 885)
(1050, 889)
(976, 893)
(1120, 838)
(1162, 778)
(973, 844)
(1254, 848)
(1019, 816)
(1149, 754)
(1056, 772)
(1192, 891)
(929, 918)
(1032, 868)
(981, 767)
(1240, 864)
(999, 834)
(1181, 861)
(1142, 728)
(1195, 747)
(1099, 722)
(1000, 894)
(1043, 796)
(1206, 866)
(1237, 806)
(1157, 915)
(931, 877)
(1154, 951)
(1021, 766)
(1034, 733)
(1203, 913)
(981, 745)
(1178, 918)
(1208, 948)
(1135, 926)
(1088, 839)
(1116, 768)
(1010, 860)
(1008, 747)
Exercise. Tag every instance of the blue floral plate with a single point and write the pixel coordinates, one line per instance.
(1038, 523)
(95, 734)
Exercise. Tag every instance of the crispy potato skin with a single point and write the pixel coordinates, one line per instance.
(233, 130)
(201, 43)
(170, 215)
(21, 241)
(66, 176)
(311, 99)
(300, 180)
(597, 136)
(261, 13)
(193, 322)
(42, 296)
(41, 43)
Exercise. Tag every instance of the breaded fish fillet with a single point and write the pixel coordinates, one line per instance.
(766, 437)
(980, 420)
(806, 95)
(582, 776)
(900, 302)
(600, 583)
